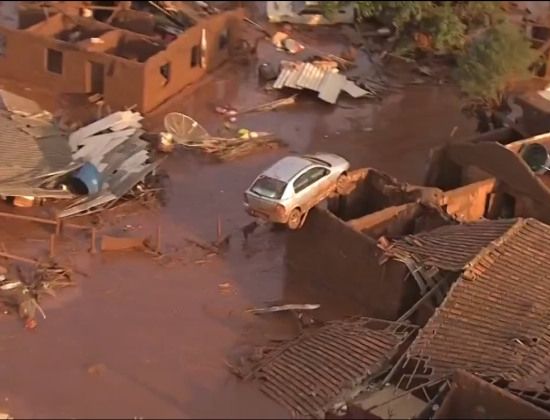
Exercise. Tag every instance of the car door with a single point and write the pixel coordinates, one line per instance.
(309, 187)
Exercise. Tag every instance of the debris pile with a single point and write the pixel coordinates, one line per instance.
(346, 353)
(190, 134)
(23, 293)
(114, 158)
(92, 166)
(318, 77)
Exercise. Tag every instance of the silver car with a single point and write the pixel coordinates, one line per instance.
(286, 191)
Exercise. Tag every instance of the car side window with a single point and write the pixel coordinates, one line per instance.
(308, 178)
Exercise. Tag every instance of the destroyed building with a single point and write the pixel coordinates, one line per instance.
(337, 358)
(135, 57)
(535, 110)
(519, 190)
(378, 205)
(470, 397)
(493, 320)
(477, 291)
(465, 182)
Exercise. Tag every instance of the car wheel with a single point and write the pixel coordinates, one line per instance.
(341, 183)
(294, 219)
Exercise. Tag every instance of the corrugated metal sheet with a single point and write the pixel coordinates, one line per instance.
(331, 86)
(450, 247)
(319, 369)
(18, 104)
(353, 90)
(309, 76)
(495, 320)
(281, 79)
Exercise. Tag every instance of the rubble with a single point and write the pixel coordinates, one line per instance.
(23, 293)
(145, 33)
(269, 106)
(472, 397)
(90, 167)
(188, 133)
(492, 312)
(322, 368)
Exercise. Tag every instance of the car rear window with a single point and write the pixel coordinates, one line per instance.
(269, 187)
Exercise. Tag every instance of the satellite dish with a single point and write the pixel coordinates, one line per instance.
(185, 129)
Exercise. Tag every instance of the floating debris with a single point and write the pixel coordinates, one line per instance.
(190, 134)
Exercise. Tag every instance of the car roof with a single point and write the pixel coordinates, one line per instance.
(287, 168)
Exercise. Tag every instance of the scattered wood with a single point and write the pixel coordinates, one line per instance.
(258, 26)
(400, 57)
(18, 258)
(114, 243)
(270, 106)
(226, 149)
(288, 307)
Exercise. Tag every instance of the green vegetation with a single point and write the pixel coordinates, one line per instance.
(490, 52)
(501, 56)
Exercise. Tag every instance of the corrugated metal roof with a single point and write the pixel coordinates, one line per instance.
(319, 369)
(450, 247)
(495, 320)
(18, 104)
(24, 157)
(311, 77)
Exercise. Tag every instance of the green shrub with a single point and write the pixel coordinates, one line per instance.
(501, 56)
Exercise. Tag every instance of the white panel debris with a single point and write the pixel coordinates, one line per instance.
(115, 122)
(36, 154)
(114, 147)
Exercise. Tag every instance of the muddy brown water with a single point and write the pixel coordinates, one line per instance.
(162, 334)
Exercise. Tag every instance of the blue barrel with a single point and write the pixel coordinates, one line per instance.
(90, 177)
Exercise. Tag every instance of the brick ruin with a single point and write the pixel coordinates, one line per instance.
(128, 58)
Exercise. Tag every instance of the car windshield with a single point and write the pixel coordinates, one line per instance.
(269, 187)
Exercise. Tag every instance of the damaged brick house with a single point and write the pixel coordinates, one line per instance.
(348, 259)
(493, 321)
(131, 58)
(518, 189)
(465, 182)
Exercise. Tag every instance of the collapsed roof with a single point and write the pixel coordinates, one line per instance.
(323, 368)
(495, 319)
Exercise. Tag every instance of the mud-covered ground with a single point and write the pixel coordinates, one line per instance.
(136, 338)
